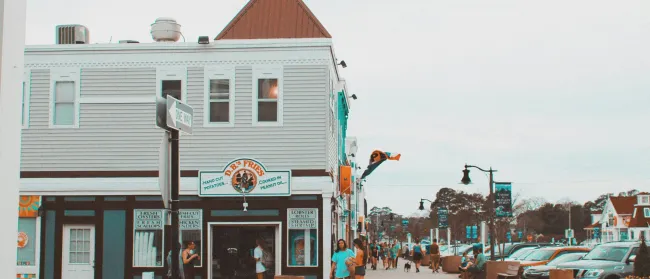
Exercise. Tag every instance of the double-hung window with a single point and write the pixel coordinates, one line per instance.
(219, 103)
(172, 82)
(65, 90)
(26, 96)
(267, 95)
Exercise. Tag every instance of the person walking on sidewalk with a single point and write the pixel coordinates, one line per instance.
(361, 259)
(416, 253)
(342, 259)
(435, 256)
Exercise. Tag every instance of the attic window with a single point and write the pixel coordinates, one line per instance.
(646, 212)
(644, 199)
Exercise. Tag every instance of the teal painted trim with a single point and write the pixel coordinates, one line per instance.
(114, 244)
(115, 198)
(148, 198)
(189, 198)
(50, 199)
(50, 239)
(79, 199)
(241, 213)
(79, 213)
(343, 111)
(303, 198)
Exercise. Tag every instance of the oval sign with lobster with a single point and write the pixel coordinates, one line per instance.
(22, 239)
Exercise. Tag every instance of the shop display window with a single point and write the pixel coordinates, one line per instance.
(148, 236)
(191, 229)
(303, 237)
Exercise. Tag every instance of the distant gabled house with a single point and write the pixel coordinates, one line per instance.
(622, 218)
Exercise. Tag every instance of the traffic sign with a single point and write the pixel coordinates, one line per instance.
(163, 169)
(179, 115)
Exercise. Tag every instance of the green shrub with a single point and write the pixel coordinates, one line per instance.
(642, 261)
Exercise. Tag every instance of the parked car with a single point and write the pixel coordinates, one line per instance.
(542, 271)
(612, 260)
(521, 253)
(544, 255)
(511, 248)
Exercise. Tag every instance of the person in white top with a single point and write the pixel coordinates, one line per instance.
(258, 254)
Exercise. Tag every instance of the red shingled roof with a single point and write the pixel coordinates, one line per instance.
(623, 205)
(274, 19)
(640, 220)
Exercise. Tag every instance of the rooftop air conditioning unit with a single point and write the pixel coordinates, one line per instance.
(165, 29)
(72, 34)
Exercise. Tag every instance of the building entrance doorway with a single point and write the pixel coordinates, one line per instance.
(232, 249)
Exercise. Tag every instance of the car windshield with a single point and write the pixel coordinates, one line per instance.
(572, 257)
(607, 253)
(524, 254)
(508, 248)
(519, 252)
(539, 255)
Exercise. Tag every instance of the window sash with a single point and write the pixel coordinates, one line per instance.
(646, 212)
(64, 103)
(219, 89)
(23, 106)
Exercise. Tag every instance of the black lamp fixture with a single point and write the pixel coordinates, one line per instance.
(343, 64)
(421, 207)
(466, 180)
(354, 96)
(204, 40)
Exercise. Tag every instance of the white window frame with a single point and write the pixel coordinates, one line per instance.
(172, 73)
(644, 199)
(27, 93)
(270, 72)
(318, 240)
(212, 73)
(65, 74)
(646, 212)
(133, 240)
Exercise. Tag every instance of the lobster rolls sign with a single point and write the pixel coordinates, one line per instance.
(244, 177)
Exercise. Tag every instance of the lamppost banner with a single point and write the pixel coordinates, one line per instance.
(503, 196)
(442, 218)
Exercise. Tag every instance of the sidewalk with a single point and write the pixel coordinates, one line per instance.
(425, 272)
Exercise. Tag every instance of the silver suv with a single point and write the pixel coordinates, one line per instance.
(613, 260)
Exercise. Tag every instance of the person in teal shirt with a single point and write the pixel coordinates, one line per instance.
(341, 259)
(393, 256)
(479, 262)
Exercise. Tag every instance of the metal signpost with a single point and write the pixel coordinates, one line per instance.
(173, 116)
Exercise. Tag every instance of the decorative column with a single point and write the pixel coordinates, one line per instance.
(327, 234)
(12, 48)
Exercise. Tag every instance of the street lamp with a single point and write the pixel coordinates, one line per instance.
(466, 180)
(422, 203)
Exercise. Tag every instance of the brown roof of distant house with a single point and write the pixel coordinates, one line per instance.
(640, 220)
(594, 225)
(623, 205)
(274, 19)
(597, 212)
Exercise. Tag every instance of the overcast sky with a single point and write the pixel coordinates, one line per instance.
(552, 94)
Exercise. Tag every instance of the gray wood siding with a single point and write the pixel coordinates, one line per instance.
(122, 82)
(124, 137)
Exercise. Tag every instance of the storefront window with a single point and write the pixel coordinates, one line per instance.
(191, 221)
(148, 235)
(26, 242)
(303, 237)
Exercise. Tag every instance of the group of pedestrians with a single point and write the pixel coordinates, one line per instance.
(386, 253)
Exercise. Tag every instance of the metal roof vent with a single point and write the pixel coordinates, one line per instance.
(165, 29)
(72, 34)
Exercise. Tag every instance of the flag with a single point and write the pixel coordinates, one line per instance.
(376, 158)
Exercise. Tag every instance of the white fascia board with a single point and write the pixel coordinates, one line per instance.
(141, 186)
(193, 46)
